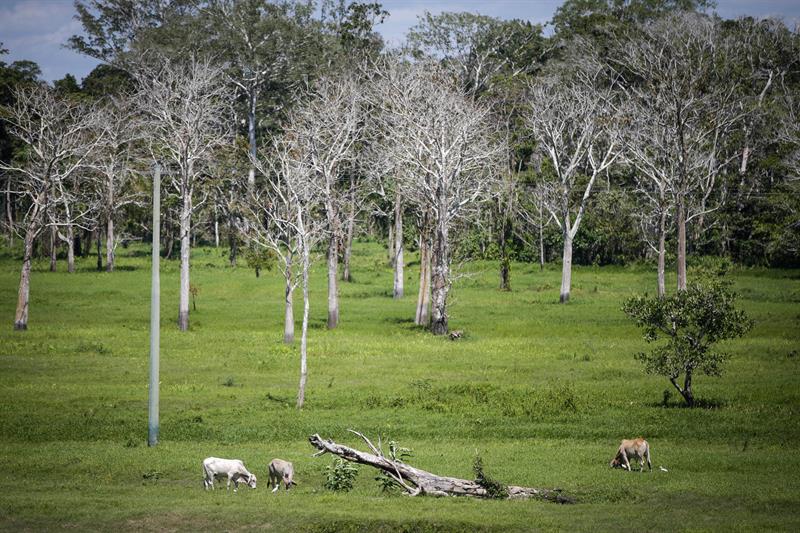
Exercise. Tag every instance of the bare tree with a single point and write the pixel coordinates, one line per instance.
(116, 124)
(184, 105)
(572, 123)
(670, 69)
(438, 141)
(328, 124)
(55, 131)
(271, 223)
(290, 225)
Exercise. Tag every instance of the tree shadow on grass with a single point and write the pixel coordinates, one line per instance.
(699, 403)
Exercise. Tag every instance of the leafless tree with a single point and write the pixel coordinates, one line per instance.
(184, 104)
(438, 143)
(572, 121)
(327, 123)
(56, 133)
(670, 70)
(290, 223)
(117, 125)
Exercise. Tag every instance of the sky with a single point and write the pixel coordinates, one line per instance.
(37, 29)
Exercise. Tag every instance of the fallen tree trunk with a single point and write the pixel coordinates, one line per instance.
(415, 481)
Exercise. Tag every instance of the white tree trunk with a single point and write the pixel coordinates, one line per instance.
(53, 247)
(440, 279)
(110, 245)
(70, 242)
(423, 315)
(566, 268)
(681, 245)
(398, 249)
(288, 318)
(333, 282)
(186, 250)
(662, 252)
(301, 391)
(23, 295)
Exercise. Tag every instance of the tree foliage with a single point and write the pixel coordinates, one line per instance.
(691, 322)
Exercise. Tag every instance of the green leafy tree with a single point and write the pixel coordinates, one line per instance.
(692, 322)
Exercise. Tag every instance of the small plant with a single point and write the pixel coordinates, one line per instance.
(340, 475)
(398, 454)
(194, 290)
(230, 381)
(494, 489)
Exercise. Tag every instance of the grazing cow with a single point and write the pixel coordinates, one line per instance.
(634, 448)
(233, 469)
(281, 470)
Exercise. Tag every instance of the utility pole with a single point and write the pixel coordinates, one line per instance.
(155, 313)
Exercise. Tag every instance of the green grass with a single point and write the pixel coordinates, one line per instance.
(542, 391)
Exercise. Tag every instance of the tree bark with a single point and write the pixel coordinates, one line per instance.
(216, 228)
(566, 268)
(70, 242)
(232, 241)
(397, 292)
(23, 295)
(87, 243)
(662, 252)
(301, 390)
(440, 279)
(99, 255)
(53, 247)
(251, 134)
(288, 317)
(505, 261)
(681, 245)
(351, 228)
(186, 250)
(391, 244)
(333, 282)
(110, 244)
(423, 316)
(415, 481)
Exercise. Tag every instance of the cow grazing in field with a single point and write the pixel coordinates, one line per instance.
(633, 448)
(281, 470)
(233, 469)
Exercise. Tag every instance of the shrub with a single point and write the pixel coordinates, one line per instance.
(340, 475)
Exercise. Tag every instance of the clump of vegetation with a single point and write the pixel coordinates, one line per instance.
(259, 259)
(340, 475)
(396, 453)
(691, 321)
(194, 290)
(494, 489)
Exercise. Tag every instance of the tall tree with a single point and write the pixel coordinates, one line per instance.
(572, 121)
(184, 105)
(329, 122)
(439, 143)
(673, 69)
(55, 133)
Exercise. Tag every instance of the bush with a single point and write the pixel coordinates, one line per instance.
(340, 475)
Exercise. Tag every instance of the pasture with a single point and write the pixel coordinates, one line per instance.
(543, 392)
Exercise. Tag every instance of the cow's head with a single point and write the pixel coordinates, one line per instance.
(616, 463)
(251, 481)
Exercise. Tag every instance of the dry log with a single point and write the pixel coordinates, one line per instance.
(415, 481)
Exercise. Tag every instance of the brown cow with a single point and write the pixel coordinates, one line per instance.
(634, 448)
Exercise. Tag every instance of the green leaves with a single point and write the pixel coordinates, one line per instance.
(691, 322)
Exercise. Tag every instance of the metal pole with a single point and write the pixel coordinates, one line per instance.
(155, 313)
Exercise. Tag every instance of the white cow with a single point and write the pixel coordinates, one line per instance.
(281, 470)
(233, 469)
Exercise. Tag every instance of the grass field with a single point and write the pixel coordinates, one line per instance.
(542, 391)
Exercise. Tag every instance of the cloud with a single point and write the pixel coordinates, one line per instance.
(36, 30)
